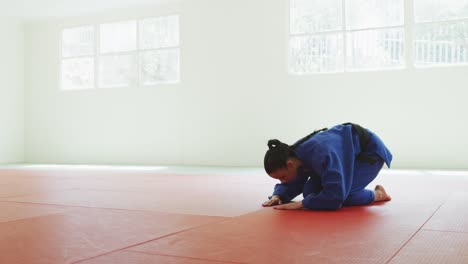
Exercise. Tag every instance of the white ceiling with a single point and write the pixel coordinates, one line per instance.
(28, 9)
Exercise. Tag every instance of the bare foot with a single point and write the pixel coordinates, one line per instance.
(380, 194)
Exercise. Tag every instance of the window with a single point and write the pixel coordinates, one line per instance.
(337, 35)
(159, 44)
(374, 34)
(78, 58)
(118, 52)
(440, 32)
(316, 37)
(353, 35)
(125, 53)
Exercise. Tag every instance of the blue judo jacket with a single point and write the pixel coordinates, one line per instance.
(328, 158)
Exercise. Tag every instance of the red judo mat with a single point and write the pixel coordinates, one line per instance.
(125, 216)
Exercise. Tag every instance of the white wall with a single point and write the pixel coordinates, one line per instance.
(235, 94)
(11, 91)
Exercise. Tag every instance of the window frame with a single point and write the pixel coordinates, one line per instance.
(408, 26)
(98, 55)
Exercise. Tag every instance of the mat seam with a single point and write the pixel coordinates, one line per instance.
(415, 233)
(147, 241)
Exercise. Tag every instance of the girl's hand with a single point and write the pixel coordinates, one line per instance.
(275, 199)
(290, 206)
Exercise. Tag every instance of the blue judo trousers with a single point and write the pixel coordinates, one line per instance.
(331, 176)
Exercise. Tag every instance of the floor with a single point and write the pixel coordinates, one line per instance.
(104, 214)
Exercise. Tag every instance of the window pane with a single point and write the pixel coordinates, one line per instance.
(439, 44)
(159, 32)
(375, 49)
(310, 16)
(374, 13)
(314, 54)
(117, 70)
(78, 41)
(159, 66)
(433, 10)
(77, 73)
(118, 37)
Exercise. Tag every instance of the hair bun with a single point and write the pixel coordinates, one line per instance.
(273, 143)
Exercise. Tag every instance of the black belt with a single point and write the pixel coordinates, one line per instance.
(364, 139)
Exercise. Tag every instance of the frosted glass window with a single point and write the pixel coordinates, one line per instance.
(437, 10)
(78, 41)
(77, 73)
(118, 36)
(441, 43)
(117, 70)
(159, 66)
(375, 49)
(311, 16)
(159, 32)
(374, 13)
(323, 53)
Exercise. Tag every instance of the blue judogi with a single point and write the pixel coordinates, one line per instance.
(330, 175)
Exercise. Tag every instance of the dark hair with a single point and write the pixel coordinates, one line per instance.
(277, 155)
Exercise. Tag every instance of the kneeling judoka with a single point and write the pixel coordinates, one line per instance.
(330, 167)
